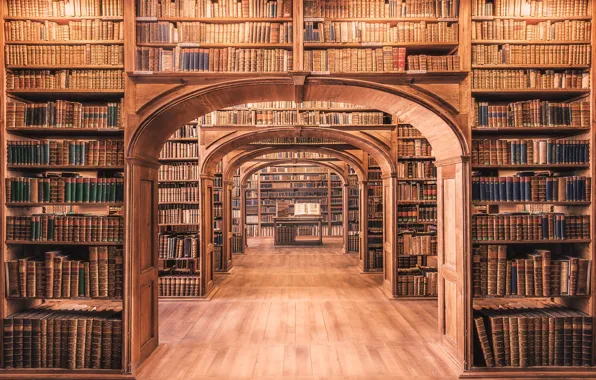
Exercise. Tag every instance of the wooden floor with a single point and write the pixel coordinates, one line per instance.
(298, 313)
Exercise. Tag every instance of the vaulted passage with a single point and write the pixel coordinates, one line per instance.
(298, 313)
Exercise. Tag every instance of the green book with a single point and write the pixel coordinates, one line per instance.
(101, 191)
(93, 190)
(81, 280)
(51, 222)
(86, 189)
(68, 190)
(79, 192)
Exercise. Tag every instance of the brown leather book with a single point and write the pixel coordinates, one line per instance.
(106, 344)
(72, 342)
(514, 340)
(8, 342)
(501, 269)
(49, 273)
(587, 340)
(103, 271)
(492, 269)
(116, 343)
(484, 342)
(96, 344)
(94, 271)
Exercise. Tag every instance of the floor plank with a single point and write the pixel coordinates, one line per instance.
(298, 313)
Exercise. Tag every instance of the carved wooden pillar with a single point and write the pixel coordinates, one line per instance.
(390, 234)
(243, 188)
(454, 256)
(227, 188)
(363, 210)
(345, 207)
(141, 278)
(206, 233)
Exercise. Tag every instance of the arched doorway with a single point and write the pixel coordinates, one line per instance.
(435, 118)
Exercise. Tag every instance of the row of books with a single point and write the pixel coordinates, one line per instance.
(532, 114)
(64, 8)
(409, 243)
(523, 8)
(285, 234)
(417, 147)
(378, 32)
(353, 243)
(65, 228)
(180, 286)
(63, 338)
(524, 226)
(65, 79)
(203, 32)
(529, 79)
(530, 151)
(290, 117)
(433, 63)
(415, 214)
(294, 177)
(300, 185)
(381, 8)
(416, 169)
(293, 194)
(416, 191)
(539, 334)
(382, 59)
(228, 59)
(208, 9)
(293, 169)
(421, 281)
(531, 55)
(178, 246)
(59, 276)
(172, 149)
(375, 258)
(186, 131)
(531, 187)
(64, 55)
(64, 189)
(407, 130)
(179, 171)
(237, 243)
(522, 31)
(83, 30)
(413, 261)
(536, 275)
(176, 192)
(63, 114)
(178, 214)
(297, 140)
(66, 152)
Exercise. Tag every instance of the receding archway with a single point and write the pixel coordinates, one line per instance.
(155, 121)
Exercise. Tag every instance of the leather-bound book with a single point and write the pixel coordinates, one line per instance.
(492, 269)
(8, 342)
(72, 323)
(80, 345)
(96, 344)
(94, 271)
(522, 322)
(88, 337)
(106, 344)
(49, 273)
(501, 269)
(587, 340)
(116, 343)
(514, 340)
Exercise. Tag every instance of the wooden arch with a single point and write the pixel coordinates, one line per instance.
(262, 165)
(165, 112)
(248, 155)
(241, 140)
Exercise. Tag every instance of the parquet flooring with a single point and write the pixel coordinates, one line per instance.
(298, 313)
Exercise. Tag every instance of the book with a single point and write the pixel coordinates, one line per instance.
(529, 151)
(380, 8)
(539, 9)
(522, 30)
(529, 79)
(382, 59)
(507, 54)
(34, 8)
(83, 30)
(64, 55)
(225, 8)
(105, 79)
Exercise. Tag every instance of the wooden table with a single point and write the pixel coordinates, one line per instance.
(296, 221)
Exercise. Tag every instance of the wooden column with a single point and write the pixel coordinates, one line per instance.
(345, 207)
(455, 324)
(141, 286)
(206, 233)
(243, 188)
(363, 210)
(390, 234)
(227, 188)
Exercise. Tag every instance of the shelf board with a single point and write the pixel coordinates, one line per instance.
(434, 46)
(111, 299)
(532, 18)
(530, 66)
(64, 131)
(239, 45)
(406, 298)
(178, 180)
(534, 372)
(67, 42)
(64, 67)
(67, 94)
(532, 166)
(189, 139)
(62, 18)
(40, 204)
(178, 224)
(489, 297)
(513, 203)
(94, 243)
(179, 159)
(530, 130)
(215, 20)
(525, 93)
(384, 19)
(544, 241)
(528, 42)
(62, 167)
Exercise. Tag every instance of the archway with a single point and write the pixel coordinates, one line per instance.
(435, 118)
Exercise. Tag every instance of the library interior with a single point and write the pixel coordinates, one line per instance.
(296, 189)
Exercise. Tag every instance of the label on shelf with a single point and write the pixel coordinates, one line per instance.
(320, 72)
(375, 44)
(189, 44)
(314, 19)
(142, 72)
(416, 72)
(146, 18)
